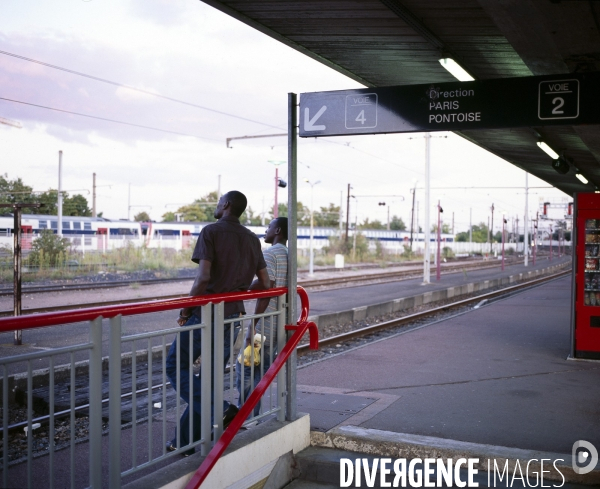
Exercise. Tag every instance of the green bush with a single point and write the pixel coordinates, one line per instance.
(447, 252)
(49, 250)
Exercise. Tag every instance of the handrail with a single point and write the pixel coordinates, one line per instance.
(268, 377)
(91, 313)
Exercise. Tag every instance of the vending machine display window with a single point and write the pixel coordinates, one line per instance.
(586, 333)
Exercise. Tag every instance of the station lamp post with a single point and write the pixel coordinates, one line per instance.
(312, 225)
(439, 241)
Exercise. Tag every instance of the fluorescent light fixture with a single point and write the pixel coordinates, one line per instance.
(581, 178)
(456, 70)
(548, 150)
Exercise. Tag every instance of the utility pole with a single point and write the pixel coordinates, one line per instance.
(94, 195)
(439, 242)
(219, 188)
(347, 211)
(341, 215)
(388, 224)
(470, 225)
(276, 208)
(412, 218)
(18, 338)
(129, 203)
(427, 257)
(453, 222)
(526, 221)
(59, 197)
(492, 230)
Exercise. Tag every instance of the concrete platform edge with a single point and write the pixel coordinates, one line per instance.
(402, 445)
(397, 305)
(249, 459)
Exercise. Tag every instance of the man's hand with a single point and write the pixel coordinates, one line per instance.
(198, 288)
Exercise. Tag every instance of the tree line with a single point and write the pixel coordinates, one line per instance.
(15, 191)
(202, 209)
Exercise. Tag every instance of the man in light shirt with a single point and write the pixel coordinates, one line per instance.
(276, 258)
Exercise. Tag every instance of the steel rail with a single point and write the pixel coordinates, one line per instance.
(399, 273)
(354, 281)
(357, 333)
(38, 289)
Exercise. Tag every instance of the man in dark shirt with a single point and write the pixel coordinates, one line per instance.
(228, 255)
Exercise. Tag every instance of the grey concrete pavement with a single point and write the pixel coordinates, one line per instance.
(498, 375)
(329, 301)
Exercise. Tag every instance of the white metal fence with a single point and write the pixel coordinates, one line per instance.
(64, 416)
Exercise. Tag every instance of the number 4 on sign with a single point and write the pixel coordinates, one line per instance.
(361, 117)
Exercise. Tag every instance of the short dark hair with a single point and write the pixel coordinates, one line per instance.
(238, 202)
(282, 223)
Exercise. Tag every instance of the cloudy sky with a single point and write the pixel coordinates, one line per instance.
(233, 81)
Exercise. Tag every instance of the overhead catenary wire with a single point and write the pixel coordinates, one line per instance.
(110, 120)
(140, 90)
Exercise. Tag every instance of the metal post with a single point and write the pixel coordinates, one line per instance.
(388, 223)
(219, 188)
(292, 249)
(526, 222)
(59, 227)
(281, 320)
(550, 244)
(471, 227)
(347, 211)
(535, 235)
(95, 425)
(276, 208)
(503, 223)
(129, 203)
(94, 195)
(311, 271)
(341, 202)
(206, 377)
(218, 367)
(114, 403)
(17, 270)
(412, 218)
(573, 273)
(492, 229)
(426, 257)
(439, 242)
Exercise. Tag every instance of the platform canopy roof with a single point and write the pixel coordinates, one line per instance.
(391, 42)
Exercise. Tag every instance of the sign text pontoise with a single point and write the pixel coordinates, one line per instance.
(569, 99)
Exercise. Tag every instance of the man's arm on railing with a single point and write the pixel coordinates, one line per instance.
(199, 286)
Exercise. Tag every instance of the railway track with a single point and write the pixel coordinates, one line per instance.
(346, 280)
(384, 277)
(156, 389)
(412, 318)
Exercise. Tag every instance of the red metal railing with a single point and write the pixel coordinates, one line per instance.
(303, 325)
(65, 317)
(89, 314)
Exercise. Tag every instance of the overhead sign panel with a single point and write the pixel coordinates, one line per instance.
(488, 104)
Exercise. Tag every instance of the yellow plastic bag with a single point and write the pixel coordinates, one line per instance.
(248, 352)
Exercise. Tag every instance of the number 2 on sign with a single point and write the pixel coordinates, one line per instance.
(361, 117)
(560, 101)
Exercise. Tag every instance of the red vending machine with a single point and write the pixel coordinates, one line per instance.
(586, 334)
